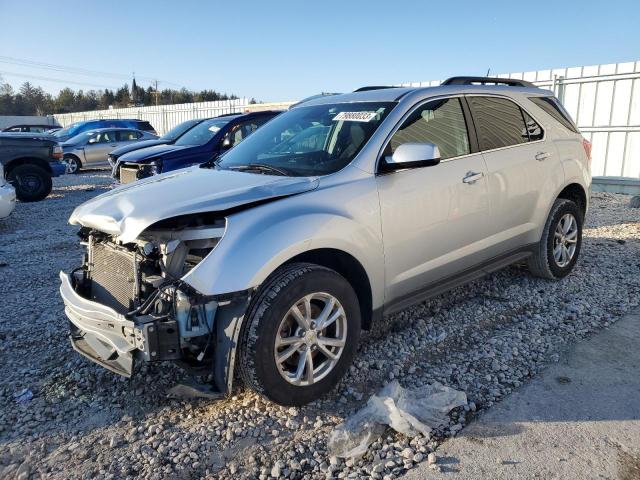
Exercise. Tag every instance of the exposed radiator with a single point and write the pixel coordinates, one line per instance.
(128, 174)
(114, 277)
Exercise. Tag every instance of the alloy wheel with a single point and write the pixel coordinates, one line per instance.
(565, 240)
(310, 339)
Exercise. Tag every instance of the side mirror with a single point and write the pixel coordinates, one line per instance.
(93, 140)
(226, 143)
(413, 155)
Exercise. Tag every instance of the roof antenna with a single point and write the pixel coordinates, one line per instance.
(488, 72)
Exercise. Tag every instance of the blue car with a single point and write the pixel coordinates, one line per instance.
(202, 143)
(74, 129)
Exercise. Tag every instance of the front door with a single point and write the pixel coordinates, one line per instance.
(434, 219)
(96, 150)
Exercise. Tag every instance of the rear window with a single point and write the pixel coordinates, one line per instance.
(499, 122)
(146, 126)
(551, 106)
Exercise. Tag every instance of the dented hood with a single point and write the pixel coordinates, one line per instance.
(128, 210)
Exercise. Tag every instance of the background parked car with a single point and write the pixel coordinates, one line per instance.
(74, 129)
(204, 142)
(168, 138)
(32, 128)
(30, 160)
(90, 149)
(7, 196)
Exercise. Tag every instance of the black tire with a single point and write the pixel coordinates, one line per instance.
(256, 353)
(32, 183)
(74, 164)
(542, 263)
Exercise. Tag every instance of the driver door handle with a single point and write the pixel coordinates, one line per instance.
(472, 177)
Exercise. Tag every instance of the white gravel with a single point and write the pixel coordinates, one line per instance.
(486, 339)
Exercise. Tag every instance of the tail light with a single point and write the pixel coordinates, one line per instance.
(587, 149)
(57, 152)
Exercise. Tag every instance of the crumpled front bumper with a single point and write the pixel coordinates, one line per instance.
(99, 332)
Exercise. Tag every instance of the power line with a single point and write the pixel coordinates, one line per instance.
(56, 80)
(80, 71)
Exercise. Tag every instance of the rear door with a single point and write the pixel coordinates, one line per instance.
(523, 169)
(95, 152)
(434, 219)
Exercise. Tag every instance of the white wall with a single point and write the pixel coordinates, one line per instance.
(162, 117)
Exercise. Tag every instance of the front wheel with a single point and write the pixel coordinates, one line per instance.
(300, 334)
(73, 164)
(32, 183)
(559, 247)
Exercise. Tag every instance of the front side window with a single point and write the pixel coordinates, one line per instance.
(309, 141)
(499, 122)
(440, 122)
(103, 137)
(242, 130)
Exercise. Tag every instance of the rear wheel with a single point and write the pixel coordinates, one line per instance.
(559, 247)
(32, 183)
(300, 334)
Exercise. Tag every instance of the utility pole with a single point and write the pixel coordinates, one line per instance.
(156, 93)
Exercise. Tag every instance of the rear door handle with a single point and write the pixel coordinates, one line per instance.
(472, 177)
(540, 156)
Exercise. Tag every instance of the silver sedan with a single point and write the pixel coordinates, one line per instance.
(90, 149)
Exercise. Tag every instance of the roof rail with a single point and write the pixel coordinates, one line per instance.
(512, 82)
(373, 87)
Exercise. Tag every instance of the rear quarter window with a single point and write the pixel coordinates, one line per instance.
(552, 107)
(146, 126)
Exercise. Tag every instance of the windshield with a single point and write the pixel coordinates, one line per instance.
(179, 130)
(310, 141)
(203, 132)
(79, 138)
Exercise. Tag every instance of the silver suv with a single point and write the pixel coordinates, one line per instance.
(268, 263)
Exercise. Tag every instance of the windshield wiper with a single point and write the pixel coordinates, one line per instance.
(261, 167)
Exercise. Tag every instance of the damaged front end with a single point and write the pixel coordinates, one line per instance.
(128, 304)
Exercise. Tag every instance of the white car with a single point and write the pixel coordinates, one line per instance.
(7, 196)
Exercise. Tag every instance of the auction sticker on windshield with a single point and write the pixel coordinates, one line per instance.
(355, 116)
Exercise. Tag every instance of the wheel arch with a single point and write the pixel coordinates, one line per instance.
(350, 268)
(10, 165)
(577, 194)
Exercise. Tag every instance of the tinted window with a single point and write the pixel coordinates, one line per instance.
(441, 123)
(146, 126)
(498, 121)
(552, 107)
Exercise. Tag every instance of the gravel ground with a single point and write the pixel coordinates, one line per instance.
(486, 339)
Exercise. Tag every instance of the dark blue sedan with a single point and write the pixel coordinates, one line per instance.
(202, 143)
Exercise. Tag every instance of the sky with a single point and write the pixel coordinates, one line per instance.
(285, 50)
